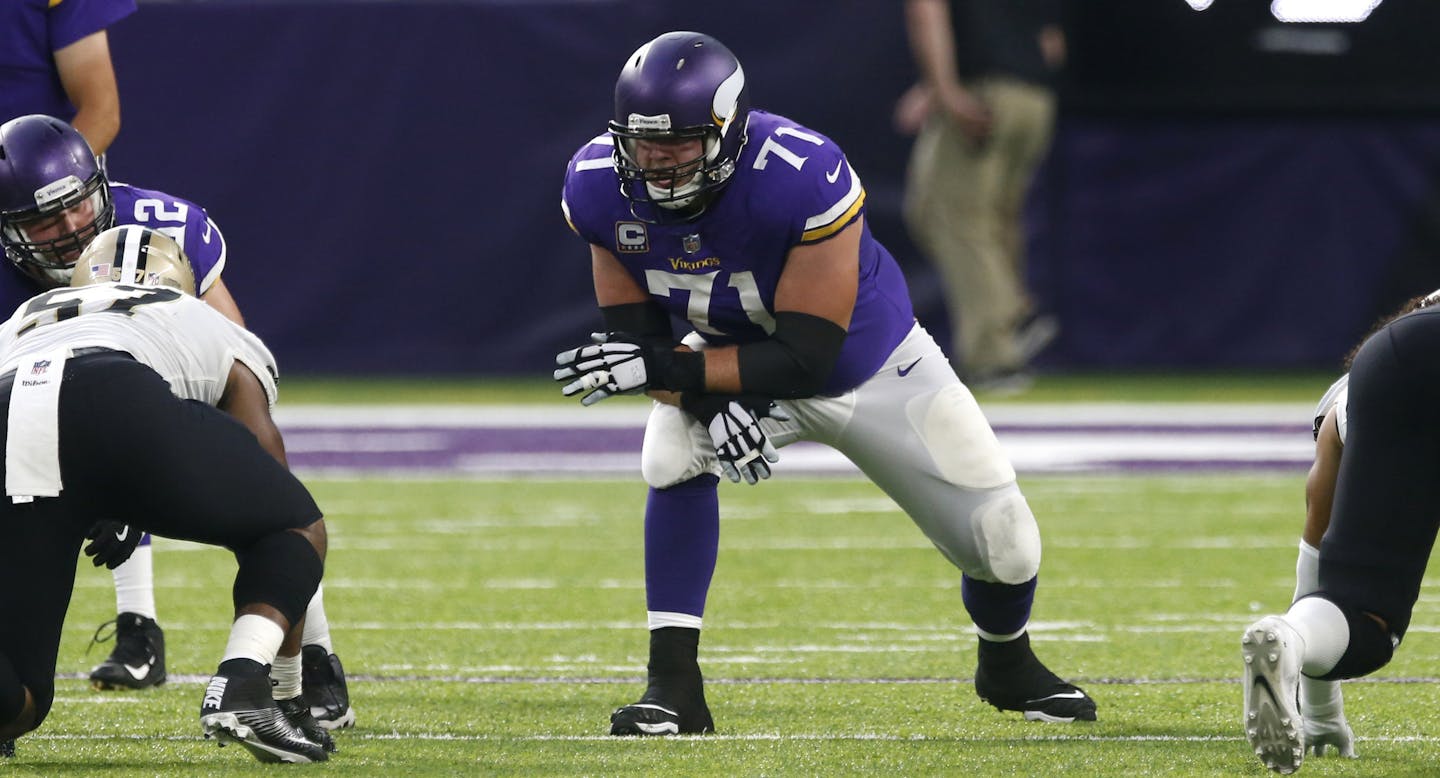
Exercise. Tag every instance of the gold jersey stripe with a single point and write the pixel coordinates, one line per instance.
(823, 232)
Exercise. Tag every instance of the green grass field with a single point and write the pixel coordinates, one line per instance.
(1153, 386)
(490, 627)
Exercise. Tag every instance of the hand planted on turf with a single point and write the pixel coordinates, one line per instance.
(1332, 733)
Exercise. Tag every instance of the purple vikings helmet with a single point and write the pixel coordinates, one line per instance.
(46, 167)
(679, 86)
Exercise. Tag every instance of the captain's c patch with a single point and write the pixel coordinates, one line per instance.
(631, 237)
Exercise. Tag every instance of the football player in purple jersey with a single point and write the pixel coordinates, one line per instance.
(751, 228)
(54, 200)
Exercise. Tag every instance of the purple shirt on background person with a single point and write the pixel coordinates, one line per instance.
(181, 219)
(30, 32)
(792, 186)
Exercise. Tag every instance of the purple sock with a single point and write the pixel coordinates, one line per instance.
(682, 535)
(144, 540)
(1000, 609)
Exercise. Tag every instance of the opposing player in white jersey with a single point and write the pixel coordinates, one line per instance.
(1315, 636)
(134, 407)
(54, 199)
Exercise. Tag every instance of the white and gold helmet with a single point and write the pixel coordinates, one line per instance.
(131, 254)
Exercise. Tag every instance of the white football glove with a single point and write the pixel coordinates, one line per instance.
(741, 445)
(604, 369)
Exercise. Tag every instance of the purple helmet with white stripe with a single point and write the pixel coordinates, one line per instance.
(680, 86)
(54, 198)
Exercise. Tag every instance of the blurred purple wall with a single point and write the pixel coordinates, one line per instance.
(388, 177)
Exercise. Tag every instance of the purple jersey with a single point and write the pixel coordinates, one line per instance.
(181, 219)
(791, 187)
(30, 32)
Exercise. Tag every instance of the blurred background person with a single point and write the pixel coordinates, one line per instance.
(55, 60)
(985, 111)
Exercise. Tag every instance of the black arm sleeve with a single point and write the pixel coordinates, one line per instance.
(795, 361)
(644, 320)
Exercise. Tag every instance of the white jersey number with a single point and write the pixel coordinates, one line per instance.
(151, 212)
(701, 289)
(771, 147)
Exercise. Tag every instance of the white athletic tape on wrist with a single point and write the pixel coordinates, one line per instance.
(594, 380)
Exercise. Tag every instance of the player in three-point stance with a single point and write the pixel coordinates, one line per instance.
(132, 406)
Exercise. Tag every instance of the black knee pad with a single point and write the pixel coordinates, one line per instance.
(281, 570)
(1371, 647)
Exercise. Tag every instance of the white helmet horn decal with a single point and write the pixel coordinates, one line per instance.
(722, 109)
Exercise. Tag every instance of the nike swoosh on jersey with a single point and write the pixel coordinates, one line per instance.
(904, 371)
(835, 174)
(1071, 695)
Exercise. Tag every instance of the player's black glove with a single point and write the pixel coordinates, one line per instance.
(111, 543)
(619, 363)
(743, 448)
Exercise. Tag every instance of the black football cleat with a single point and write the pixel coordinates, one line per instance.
(674, 699)
(653, 717)
(1010, 677)
(138, 660)
(238, 709)
(323, 681)
(297, 712)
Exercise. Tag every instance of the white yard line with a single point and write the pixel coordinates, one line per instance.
(629, 412)
(647, 743)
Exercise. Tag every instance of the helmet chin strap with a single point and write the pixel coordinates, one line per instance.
(683, 196)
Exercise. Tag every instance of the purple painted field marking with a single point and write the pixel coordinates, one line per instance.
(466, 441)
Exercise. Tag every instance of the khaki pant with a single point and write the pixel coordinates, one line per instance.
(963, 207)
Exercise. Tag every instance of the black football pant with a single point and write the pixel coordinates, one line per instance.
(130, 451)
(1387, 498)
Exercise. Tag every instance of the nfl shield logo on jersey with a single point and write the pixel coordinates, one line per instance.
(40, 367)
(691, 243)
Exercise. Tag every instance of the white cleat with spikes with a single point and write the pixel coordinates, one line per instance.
(1272, 651)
